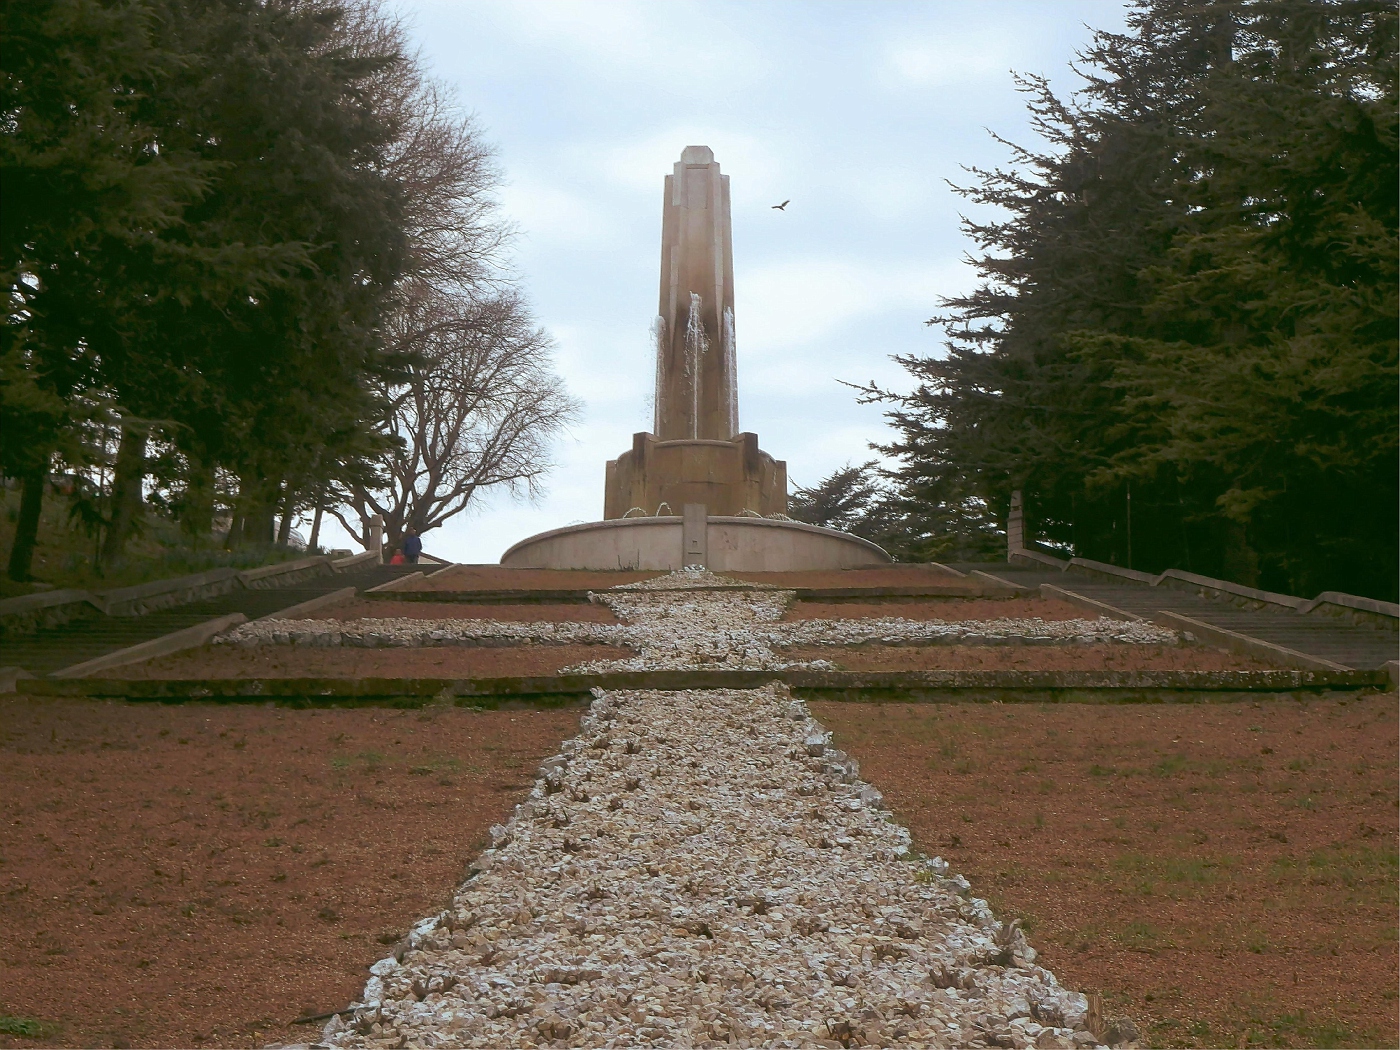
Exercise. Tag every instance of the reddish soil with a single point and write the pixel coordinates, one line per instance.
(358, 608)
(939, 609)
(1225, 874)
(1027, 658)
(904, 575)
(199, 875)
(500, 578)
(295, 661)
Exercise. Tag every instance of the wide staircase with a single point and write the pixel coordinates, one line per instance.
(54, 648)
(1355, 645)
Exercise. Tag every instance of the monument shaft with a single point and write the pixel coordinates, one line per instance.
(697, 455)
(696, 385)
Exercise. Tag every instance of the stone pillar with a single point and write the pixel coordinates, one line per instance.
(695, 546)
(696, 387)
(697, 453)
(376, 536)
(1015, 526)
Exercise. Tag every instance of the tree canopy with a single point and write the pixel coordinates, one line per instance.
(1183, 349)
(217, 216)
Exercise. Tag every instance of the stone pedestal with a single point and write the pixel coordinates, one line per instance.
(729, 477)
(376, 536)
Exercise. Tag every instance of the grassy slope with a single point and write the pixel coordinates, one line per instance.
(64, 554)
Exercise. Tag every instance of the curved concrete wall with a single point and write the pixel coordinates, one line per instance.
(763, 545)
(622, 543)
(739, 544)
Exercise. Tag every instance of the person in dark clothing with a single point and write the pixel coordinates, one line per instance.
(412, 547)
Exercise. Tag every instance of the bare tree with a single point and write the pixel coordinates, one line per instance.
(480, 402)
(480, 411)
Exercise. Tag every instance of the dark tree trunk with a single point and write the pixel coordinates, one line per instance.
(197, 520)
(27, 529)
(129, 478)
(236, 514)
(253, 514)
(311, 544)
(1240, 563)
(258, 526)
(284, 530)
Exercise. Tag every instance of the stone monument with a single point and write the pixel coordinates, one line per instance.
(696, 490)
(695, 454)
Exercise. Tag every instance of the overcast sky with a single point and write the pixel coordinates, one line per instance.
(859, 112)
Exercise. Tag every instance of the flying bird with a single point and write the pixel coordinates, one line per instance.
(783, 206)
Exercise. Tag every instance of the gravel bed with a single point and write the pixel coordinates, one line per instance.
(681, 621)
(702, 868)
(413, 633)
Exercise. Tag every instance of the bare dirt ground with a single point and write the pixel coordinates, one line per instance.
(1027, 658)
(939, 609)
(1225, 874)
(500, 578)
(295, 661)
(370, 608)
(199, 875)
(910, 574)
(497, 577)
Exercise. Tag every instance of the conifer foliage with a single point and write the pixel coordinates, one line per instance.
(215, 219)
(1184, 348)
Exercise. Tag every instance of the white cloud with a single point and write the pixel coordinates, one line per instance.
(891, 192)
(607, 368)
(635, 40)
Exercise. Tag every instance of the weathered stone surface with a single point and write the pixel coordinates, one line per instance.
(696, 453)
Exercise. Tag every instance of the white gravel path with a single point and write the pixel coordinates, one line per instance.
(681, 621)
(702, 868)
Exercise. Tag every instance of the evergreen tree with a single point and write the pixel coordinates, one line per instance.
(200, 233)
(85, 185)
(1186, 331)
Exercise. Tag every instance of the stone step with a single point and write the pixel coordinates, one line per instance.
(1354, 645)
(72, 643)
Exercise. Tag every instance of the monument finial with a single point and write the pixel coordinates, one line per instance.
(697, 155)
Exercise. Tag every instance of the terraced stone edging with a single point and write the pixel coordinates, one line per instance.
(953, 588)
(856, 686)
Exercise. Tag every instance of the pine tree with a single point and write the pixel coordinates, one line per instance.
(1185, 332)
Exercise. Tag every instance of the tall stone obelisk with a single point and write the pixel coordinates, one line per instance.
(697, 455)
(696, 387)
